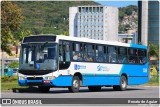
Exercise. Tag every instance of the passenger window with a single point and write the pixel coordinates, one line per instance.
(101, 53)
(142, 59)
(112, 54)
(132, 59)
(77, 51)
(122, 55)
(89, 52)
(132, 56)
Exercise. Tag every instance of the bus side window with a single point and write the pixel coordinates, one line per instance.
(66, 48)
(132, 56)
(61, 52)
(77, 51)
(90, 52)
(142, 59)
(85, 53)
(112, 54)
(122, 55)
(100, 55)
(105, 54)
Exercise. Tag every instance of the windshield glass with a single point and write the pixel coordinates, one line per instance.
(38, 57)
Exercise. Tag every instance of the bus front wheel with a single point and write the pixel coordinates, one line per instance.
(123, 84)
(44, 89)
(75, 85)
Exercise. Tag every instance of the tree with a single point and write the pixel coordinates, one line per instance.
(13, 65)
(153, 51)
(19, 35)
(66, 33)
(11, 18)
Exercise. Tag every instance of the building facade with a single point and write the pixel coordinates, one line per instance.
(94, 22)
(148, 22)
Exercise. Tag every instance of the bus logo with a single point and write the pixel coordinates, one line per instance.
(78, 67)
(102, 68)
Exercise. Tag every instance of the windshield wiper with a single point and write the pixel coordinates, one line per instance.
(42, 46)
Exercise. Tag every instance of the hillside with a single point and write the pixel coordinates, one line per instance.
(52, 16)
(128, 18)
(48, 16)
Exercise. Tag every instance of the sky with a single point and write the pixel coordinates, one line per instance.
(117, 3)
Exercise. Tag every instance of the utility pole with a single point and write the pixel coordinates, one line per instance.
(2, 69)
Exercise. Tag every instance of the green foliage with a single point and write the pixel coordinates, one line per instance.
(153, 50)
(13, 65)
(9, 78)
(44, 17)
(154, 79)
(127, 10)
(20, 34)
(121, 28)
(11, 18)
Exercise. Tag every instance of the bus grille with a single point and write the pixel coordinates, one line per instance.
(34, 78)
(34, 83)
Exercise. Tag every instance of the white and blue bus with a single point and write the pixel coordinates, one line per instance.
(60, 61)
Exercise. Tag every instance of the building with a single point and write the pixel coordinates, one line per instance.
(94, 22)
(128, 38)
(148, 22)
(6, 59)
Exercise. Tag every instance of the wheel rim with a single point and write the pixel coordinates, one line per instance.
(123, 83)
(75, 84)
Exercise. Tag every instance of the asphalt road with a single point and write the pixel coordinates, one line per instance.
(106, 92)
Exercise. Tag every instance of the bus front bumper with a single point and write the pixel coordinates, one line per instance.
(59, 81)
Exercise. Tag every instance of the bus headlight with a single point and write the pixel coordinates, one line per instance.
(49, 77)
(22, 77)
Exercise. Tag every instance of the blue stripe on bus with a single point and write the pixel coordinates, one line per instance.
(138, 46)
(62, 81)
(22, 82)
(99, 80)
(34, 81)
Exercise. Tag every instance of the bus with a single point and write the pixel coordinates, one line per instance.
(8, 71)
(15, 71)
(61, 61)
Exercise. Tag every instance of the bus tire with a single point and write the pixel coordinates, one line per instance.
(94, 88)
(123, 84)
(75, 85)
(44, 89)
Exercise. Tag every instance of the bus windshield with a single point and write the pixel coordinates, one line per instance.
(41, 56)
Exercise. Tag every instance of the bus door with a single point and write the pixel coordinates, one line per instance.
(64, 57)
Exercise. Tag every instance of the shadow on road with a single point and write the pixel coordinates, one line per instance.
(35, 90)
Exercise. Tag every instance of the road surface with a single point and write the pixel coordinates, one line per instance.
(106, 92)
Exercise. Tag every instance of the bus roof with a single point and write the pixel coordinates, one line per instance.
(100, 41)
(63, 37)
